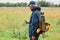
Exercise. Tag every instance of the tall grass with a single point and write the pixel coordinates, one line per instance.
(13, 27)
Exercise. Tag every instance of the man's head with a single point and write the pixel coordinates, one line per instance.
(32, 4)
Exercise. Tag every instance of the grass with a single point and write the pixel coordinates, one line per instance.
(13, 27)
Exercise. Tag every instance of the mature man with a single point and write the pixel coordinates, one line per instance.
(34, 20)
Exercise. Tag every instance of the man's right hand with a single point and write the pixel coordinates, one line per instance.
(26, 22)
(33, 38)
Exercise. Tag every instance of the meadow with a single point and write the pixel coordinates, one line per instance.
(13, 27)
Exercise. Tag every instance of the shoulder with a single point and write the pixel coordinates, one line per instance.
(37, 12)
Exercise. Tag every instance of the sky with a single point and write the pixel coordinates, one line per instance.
(15, 1)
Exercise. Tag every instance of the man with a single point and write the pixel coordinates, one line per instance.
(34, 20)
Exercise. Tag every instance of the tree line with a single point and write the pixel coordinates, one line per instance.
(42, 3)
(48, 4)
(13, 4)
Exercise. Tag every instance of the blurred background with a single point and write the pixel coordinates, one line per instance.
(24, 3)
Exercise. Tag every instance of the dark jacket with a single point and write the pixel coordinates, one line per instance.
(33, 25)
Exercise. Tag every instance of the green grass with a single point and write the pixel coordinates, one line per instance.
(11, 21)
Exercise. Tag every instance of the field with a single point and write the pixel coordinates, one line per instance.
(13, 27)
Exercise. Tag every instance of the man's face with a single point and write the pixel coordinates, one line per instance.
(31, 7)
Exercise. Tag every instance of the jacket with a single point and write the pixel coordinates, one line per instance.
(34, 20)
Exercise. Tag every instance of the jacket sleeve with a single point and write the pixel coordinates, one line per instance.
(35, 20)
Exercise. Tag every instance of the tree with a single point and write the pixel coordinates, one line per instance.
(44, 3)
(59, 5)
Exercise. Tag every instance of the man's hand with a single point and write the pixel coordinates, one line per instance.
(26, 22)
(33, 38)
(38, 30)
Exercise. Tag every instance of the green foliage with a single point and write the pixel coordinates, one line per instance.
(47, 4)
(58, 22)
(42, 3)
(12, 21)
(13, 4)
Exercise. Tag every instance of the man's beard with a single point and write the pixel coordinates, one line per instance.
(33, 9)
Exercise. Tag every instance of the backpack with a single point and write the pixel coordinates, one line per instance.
(42, 22)
(41, 25)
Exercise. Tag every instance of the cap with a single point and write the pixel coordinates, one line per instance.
(32, 3)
